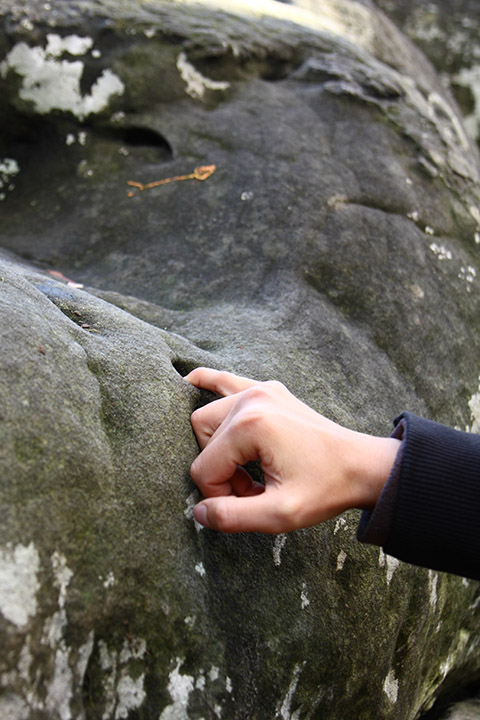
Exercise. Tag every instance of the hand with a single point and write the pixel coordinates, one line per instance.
(314, 469)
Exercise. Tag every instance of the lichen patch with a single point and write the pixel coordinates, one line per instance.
(390, 687)
(284, 711)
(305, 602)
(9, 168)
(441, 251)
(179, 687)
(196, 82)
(390, 563)
(53, 84)
(432, 587)
(474, 405)
(278, 546)
(341, 557)
(19, 584)
(131, 695)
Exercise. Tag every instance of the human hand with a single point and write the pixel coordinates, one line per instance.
(314, 469)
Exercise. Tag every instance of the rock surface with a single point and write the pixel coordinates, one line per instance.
(334, 247)
(447, 31)
(468, 710)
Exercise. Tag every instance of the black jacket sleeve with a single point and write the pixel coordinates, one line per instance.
(429, 511)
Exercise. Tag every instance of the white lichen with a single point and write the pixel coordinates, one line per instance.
(9, 168)
(391, 564)
(341, 524)
(341, 557)
(305, 602)
(133, 649)
(196, 82)
(284, 711)
(457, 651)
(474, 405)
(130, 695)
(191, 501)
(467, 274)
(122, 690)
(179, 687)
(27, 24)
(390, 687)
(60, 690)
(475, 604)
(13, 707)
(441, 251)
(62, 576)
(108, 663)
(19, 584)
(278, 546)
(214, 673)
(109, 580)
(53, 628)
(200, 569)
(53, 84)
(432, 589)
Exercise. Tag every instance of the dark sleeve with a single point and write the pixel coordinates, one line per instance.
(429, 511)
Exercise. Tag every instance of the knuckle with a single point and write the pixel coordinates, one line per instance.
(275, 385)
(249, 420)
(265, 391)
(287, 513)
(221, 381)
(196, 471)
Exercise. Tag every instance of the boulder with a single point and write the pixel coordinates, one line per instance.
(332, 243)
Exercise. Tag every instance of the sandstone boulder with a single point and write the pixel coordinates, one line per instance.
(333, 246)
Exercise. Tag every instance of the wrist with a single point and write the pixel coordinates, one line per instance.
(370, 468)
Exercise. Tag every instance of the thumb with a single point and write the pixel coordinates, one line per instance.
(258, 513)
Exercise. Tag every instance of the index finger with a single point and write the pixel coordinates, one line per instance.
(219, 381)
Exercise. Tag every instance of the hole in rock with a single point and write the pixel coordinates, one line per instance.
(139, 137)
(450, 697)
(183, 367)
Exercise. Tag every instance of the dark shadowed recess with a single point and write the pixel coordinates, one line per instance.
(450, 697)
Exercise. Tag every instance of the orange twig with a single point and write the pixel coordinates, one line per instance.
(200, 173)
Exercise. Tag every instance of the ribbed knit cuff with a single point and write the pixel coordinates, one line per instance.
(434, 504)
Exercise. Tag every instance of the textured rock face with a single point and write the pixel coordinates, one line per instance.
(334, 247)
(448, 34)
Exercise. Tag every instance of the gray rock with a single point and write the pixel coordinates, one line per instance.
(467, 710)
(334, 248)
(447, 31)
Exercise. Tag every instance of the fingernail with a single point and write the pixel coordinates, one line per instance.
(200, 512)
